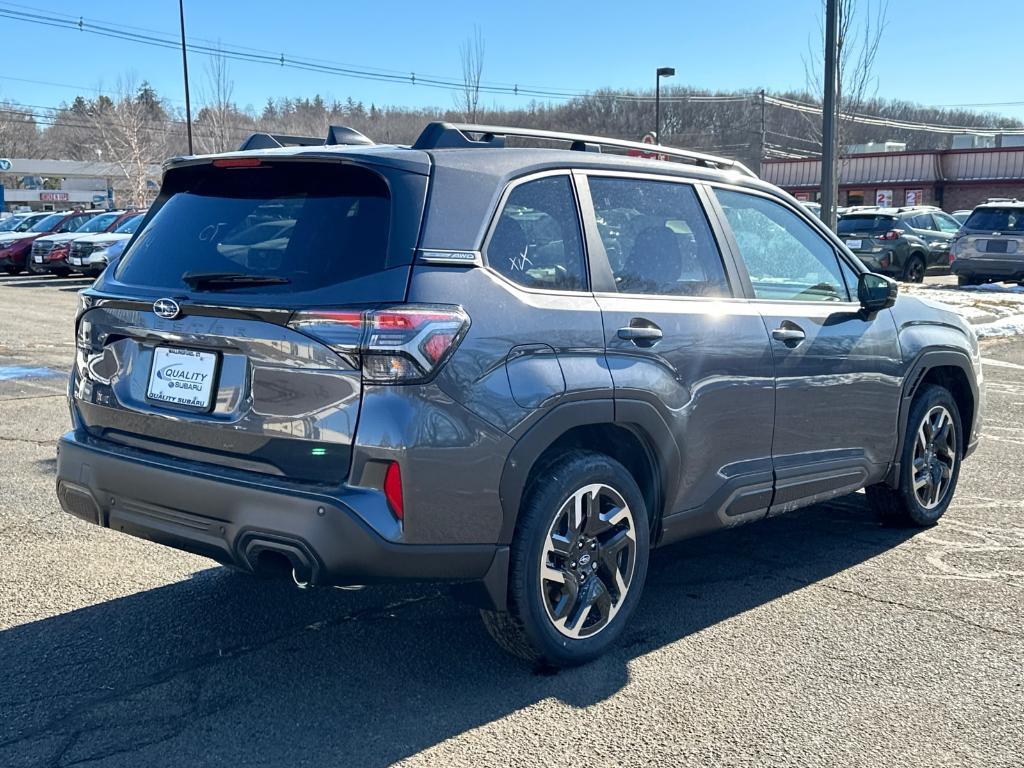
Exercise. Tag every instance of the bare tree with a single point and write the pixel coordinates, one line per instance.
(220, 125)
(861, 28)
(471, 52)
(132, 134)
(19, 134)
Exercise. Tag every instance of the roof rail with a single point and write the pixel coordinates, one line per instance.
(441, 135)
(336, 135)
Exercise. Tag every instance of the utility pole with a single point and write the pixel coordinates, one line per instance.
(184, 64)
(659, 73)
(829, 136)
(760, 160)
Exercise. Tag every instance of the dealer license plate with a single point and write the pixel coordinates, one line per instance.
(182, 378)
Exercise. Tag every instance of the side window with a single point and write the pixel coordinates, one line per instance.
(786, 258)
(536, 241)
(657, 238)
(946, 223)
(923, 221)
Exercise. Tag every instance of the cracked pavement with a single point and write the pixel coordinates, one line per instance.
(817, 638)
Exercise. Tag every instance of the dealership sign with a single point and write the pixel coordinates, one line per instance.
(53, 197)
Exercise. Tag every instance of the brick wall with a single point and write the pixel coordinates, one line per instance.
(960, 197)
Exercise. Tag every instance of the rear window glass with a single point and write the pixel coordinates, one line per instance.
(849, 225)
(297, 226)
(996, 220)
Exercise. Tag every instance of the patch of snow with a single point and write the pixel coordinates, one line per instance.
(1001, 328)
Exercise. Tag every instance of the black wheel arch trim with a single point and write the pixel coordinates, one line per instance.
(927, 360)
(639, 417)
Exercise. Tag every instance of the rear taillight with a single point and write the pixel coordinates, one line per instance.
(398, 345)
(393, 490)
(892, 234)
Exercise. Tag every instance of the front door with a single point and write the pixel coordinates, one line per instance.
(838, 373)
(679, 341)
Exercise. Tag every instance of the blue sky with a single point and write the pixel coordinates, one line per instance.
(934, 52)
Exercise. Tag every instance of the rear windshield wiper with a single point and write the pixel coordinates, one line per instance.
(200, 280)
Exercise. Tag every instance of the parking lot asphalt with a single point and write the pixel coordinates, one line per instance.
(817, 638)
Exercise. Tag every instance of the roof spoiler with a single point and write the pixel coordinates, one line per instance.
(441, 135)
(336, 135)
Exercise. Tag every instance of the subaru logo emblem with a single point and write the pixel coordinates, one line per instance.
(584, 558)
(168, 309)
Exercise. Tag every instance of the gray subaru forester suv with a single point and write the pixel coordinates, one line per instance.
(516, 368)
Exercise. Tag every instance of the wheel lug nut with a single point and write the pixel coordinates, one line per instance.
(593, 566)
(583, 577)
(572, 564)
(593, 545)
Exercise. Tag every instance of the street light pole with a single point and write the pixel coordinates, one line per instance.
(184, 65)
(659, 73)
(829, 143)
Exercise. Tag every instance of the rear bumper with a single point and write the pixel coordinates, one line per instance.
(1005, 268)
(236, 522)
(873, 262)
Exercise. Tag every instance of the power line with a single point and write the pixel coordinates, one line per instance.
(114, 31)
(799, 106)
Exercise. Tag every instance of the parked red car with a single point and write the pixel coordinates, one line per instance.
(15, 246)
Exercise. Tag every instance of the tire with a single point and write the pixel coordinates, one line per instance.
(61, 273)
(554, 621)
(965, 280)
(924, 506)
(12, 270)
(914, 270)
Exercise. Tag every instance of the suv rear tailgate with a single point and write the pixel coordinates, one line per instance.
(223, 379)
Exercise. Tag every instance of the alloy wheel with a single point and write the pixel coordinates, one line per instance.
(588, 561)
(934, 457)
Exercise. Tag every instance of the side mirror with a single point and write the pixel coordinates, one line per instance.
(876, 292)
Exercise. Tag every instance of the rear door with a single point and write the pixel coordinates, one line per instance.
(190, 346)
(679, 340)
(838, 373)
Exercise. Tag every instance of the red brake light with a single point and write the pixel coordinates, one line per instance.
(237, 162)
(892, 234)
(393, 490)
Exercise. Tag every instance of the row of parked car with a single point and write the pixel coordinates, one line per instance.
(65, 242)
(982, 245)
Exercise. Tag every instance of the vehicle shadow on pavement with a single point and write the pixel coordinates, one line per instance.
(225, 669)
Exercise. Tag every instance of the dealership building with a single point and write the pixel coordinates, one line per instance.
(58, 185)
(952, 179)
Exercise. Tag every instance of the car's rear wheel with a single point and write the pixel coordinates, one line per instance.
(913, 271)
(966, 280)
(12, 270)
(929, 464)
(578, 562)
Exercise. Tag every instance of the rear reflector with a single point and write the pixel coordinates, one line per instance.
(393, 490)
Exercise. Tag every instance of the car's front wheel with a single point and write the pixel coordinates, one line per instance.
(578, 562)
(929, 464)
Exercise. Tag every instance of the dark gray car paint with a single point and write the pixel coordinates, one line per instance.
(736, 424)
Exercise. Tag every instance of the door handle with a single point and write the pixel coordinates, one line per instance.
(641, 335)
(789, 335)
